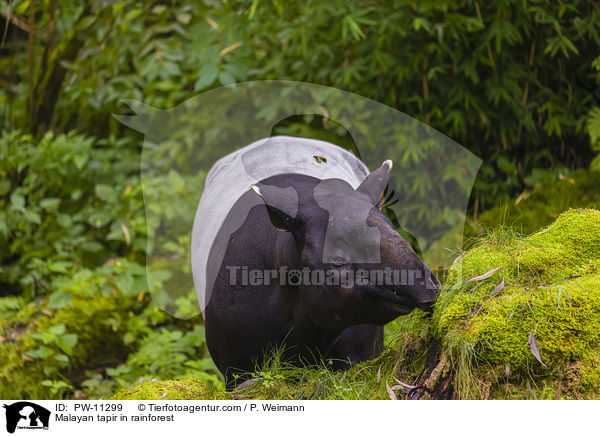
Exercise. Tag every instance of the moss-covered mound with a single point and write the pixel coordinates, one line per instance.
(521, 316)
(277, 380)
(518, 317)
(187, 389)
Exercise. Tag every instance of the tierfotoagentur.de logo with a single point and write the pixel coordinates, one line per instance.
(242, 275)
(25, 415)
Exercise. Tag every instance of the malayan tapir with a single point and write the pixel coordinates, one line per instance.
(271, 275)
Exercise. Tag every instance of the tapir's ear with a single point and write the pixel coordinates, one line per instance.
(282, 204)
(375, 183)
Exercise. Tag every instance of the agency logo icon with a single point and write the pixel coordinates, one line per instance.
(26, 415)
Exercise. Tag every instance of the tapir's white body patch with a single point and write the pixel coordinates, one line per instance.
(233, 175)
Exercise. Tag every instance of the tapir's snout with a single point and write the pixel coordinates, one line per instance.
(422, 287)
(427, 305)
(427, 296)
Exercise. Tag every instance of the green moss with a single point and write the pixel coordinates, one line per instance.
(551, 293)
(186, 389)
(276, 380)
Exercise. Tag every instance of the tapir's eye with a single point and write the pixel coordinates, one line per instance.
(339, 261)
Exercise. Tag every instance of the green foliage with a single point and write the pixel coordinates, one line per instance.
(55, 336)
(66, 200)
(91, 332)
(49, 344)
(498, 77)
(9, 306)
(167, 354)
(547, 195)
(71, 208)
(593, 123)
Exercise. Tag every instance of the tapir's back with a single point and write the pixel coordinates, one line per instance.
(235, 173)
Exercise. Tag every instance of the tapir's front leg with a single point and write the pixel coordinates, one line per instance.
(356, 344)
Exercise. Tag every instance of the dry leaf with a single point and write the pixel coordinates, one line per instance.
(126, 233)
(498, 288)
(319, 386)
(391, 393)
(379, 374)
(531, 390)
(247, 383)
(404, 385)
(542, 231)
(535, 350)
(110, 261)
(230, 48)
(567, 179)
(486, 275)
(458, 258)
(212, 23)
(522, 197)
(404, 390)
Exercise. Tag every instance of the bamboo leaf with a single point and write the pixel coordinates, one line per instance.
(498, 288)
(535, 350)
(391, 393)
(247, 383)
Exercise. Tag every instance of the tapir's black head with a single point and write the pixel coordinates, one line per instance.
(361, 270)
